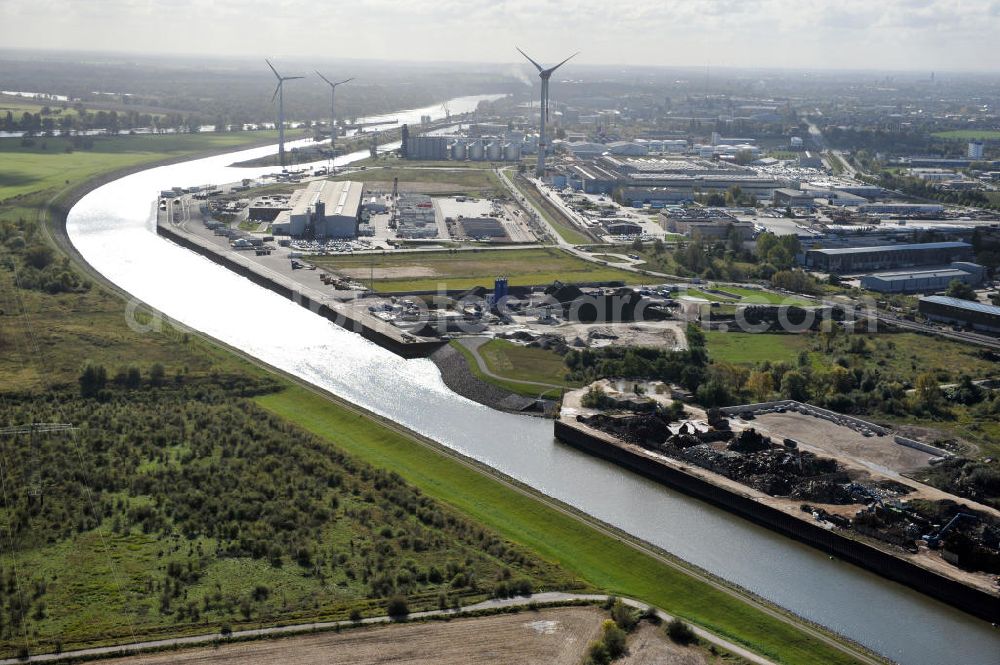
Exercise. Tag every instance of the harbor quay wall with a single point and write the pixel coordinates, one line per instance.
(977, 602)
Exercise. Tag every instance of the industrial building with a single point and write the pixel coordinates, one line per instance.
(901, 208)
(267, 208)
(415, 217)
(622, 228)
(323, 209)
(795, 198)
(678, 178)
(439, 148)
(429, 148)
(586, 150)
(710, 225)
(924, 281)
(483, 227)
(961, 312)
(847, 260)
(975, 150)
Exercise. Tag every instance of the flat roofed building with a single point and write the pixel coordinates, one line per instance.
(924, 281)
(483, 227)
(623, 228)
(901, 208)
(267, 208)
(796, 198)
(846, 260)
(961, 312)
(708, 228)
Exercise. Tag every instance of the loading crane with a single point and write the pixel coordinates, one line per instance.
(934, 540)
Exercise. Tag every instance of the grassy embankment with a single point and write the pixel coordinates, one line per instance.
(598, 558)
(517, 364)
(466, 269)
(71, 327)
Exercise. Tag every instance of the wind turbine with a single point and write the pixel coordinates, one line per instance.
(333, 93)
(544, 75)
(279, 93)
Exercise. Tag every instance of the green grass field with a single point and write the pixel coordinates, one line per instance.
(748, 296)
(428, 271)
(903, 355)
(460, 180)
(517, 363)
(602, 560)
(740, 347)
(969, 134)
(47, 165)
(392, 161)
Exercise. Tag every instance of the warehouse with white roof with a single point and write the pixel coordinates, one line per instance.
(323, 209)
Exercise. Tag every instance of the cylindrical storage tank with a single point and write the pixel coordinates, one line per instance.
(476, 151)
(494, 151)
(458, 151)
(512, 152)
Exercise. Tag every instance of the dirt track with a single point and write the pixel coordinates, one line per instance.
(556, 636)
(650, 646)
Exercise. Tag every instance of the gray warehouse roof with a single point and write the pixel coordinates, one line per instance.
(925, 274)
(893, 248)
(963, 304)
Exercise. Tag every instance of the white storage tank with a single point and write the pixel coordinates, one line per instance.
(512, 152)
(476, 151)
(494, 152)
(458, 151)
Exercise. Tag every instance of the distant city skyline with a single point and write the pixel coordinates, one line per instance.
(931, 35)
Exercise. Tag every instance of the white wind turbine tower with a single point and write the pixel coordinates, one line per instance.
(333, 93)
(544, 75)
(279, 93)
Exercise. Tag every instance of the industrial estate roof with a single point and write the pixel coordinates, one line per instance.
(893, 248)
(339, 198)
(925, 274)
(963, 304)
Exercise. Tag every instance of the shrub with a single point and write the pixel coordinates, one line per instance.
(397, 608)
(681, 633)
(624, 616)
(614, 639)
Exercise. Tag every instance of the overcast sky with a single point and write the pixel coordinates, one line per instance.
(838, 34)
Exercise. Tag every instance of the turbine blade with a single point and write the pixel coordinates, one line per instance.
(538, 66)
(277, 89)
(323, 77)
(345, 81)
(272, 68)
(291, 78)
(552, 69)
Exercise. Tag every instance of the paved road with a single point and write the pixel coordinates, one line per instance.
(277, 631)
(473, 344)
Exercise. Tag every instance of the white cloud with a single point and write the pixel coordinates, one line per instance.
(940, 34)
